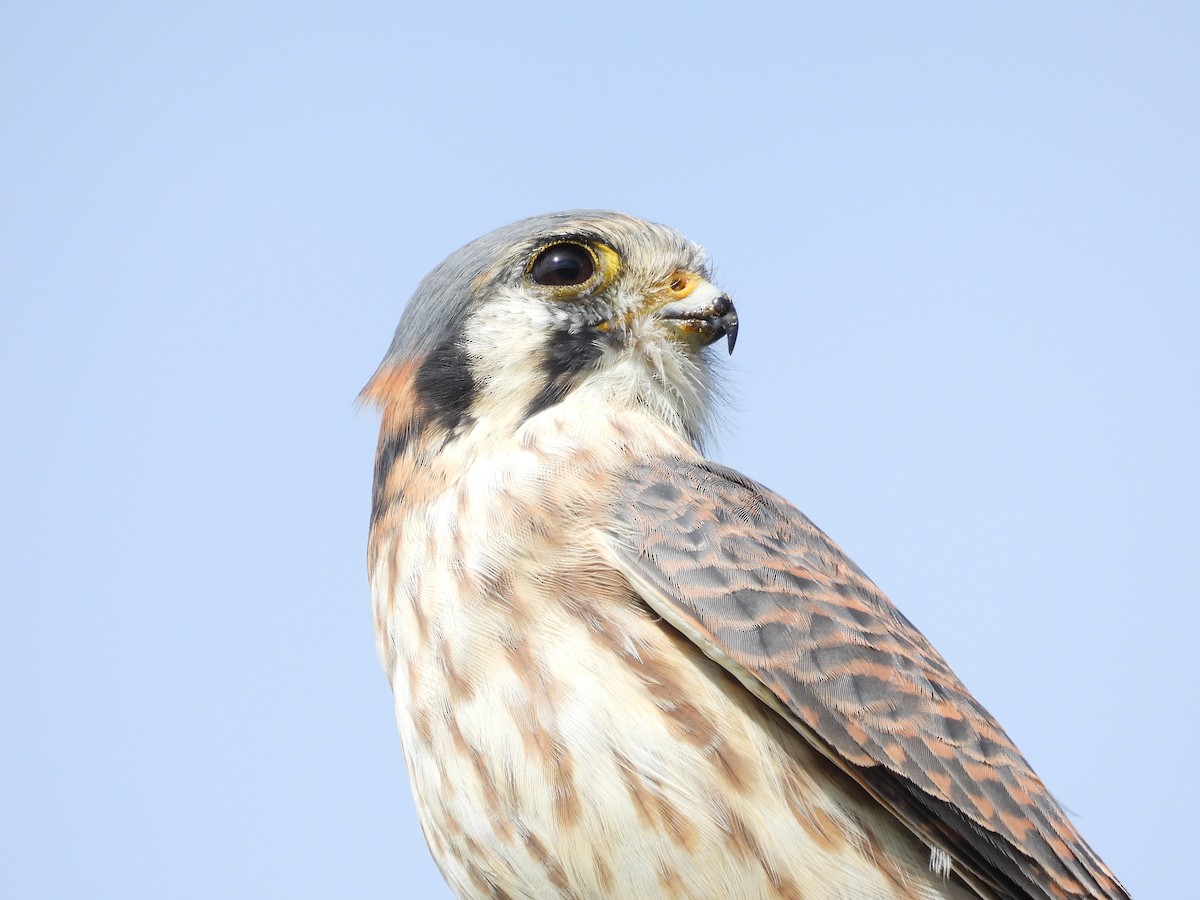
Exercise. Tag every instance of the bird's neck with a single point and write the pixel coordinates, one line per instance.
(601, 421)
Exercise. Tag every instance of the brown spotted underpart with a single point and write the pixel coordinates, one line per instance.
(562, 739)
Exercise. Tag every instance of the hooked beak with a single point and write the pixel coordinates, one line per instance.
(702, 317)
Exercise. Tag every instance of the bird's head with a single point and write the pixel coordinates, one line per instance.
(522, 318)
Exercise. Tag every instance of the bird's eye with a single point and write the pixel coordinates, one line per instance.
(563, 265)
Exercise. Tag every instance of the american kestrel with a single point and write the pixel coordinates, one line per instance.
(623, 670)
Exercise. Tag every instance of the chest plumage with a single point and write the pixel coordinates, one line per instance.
(561, 740)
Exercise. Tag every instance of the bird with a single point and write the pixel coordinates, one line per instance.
(621, 669)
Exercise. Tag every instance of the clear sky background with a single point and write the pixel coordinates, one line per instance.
(965, 247)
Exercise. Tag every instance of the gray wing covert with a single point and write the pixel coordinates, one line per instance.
(752, 580)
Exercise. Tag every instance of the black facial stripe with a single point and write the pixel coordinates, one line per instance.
(569, 354)
(444, 383)
(391, 448)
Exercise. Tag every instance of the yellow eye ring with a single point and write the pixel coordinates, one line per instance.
(571, 268)
(565, 264)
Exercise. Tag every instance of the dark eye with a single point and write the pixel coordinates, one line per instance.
(563, 265)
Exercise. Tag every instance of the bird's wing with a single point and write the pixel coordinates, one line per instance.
(761, 590)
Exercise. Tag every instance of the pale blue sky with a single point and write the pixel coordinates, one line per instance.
(965, 246)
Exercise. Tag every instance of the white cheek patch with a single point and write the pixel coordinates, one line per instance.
(505, 326)
(505, 341)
